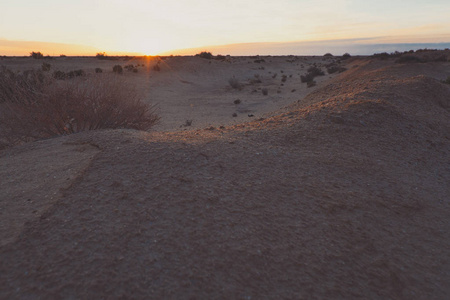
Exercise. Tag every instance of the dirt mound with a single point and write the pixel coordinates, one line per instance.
(344, 196)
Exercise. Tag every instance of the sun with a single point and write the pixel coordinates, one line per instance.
(147, 46)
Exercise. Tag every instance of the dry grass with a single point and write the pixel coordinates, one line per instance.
(34, 109)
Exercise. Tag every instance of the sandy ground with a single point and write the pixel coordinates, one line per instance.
(341, 194)
(198, 90)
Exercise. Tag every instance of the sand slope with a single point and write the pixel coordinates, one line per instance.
(344, 195)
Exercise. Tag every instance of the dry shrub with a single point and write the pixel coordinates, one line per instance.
(234, 83)
(66, 107)
(118, 69)
(205, 54)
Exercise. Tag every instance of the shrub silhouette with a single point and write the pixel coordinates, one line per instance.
(76, 73)
(101, 55)
(37, 55)
(118, 69)
(346, 56)
(98, 70)
(409, 59)
(204, 54)
(333, 68)
(313, 72)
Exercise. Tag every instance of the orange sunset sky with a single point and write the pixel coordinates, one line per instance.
(151, 27)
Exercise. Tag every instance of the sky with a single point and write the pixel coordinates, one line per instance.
(153, 27)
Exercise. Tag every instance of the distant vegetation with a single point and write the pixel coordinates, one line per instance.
(418, 56)
(313, 72)
(118, 69)
(104, 56)
(204, 54)
(335, 68)
(101, 55)
(37, 55)
(60, 75)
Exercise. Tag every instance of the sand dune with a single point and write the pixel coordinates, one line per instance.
(335, 192)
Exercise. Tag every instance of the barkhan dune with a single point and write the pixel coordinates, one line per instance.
(339, 191)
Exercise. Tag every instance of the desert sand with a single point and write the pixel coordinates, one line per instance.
(339, 191)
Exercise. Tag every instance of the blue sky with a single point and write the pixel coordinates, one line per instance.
(151, 27)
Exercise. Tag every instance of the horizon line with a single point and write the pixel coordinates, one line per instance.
(17, 48)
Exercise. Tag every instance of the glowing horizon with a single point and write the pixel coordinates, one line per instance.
(151, 27)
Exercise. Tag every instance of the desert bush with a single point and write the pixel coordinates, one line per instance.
(60, 75)
(328, 55)
(446, 81)
(409, 59)
(129, 68)
(98, 70)
(283, 78)
(382, 56)
(204, 54)
(311, 83)
(234, 83)
(346, 56)
(101, 55)
(333, 68)
(46, 67)
(306, 78)
(118, 69)
(76, 73)
(37, 55)
(156, 68)
(66, 107)
(265, 91)
(11, 82)
(315, 71)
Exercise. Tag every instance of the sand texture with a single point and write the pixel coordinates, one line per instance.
(340, 191)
